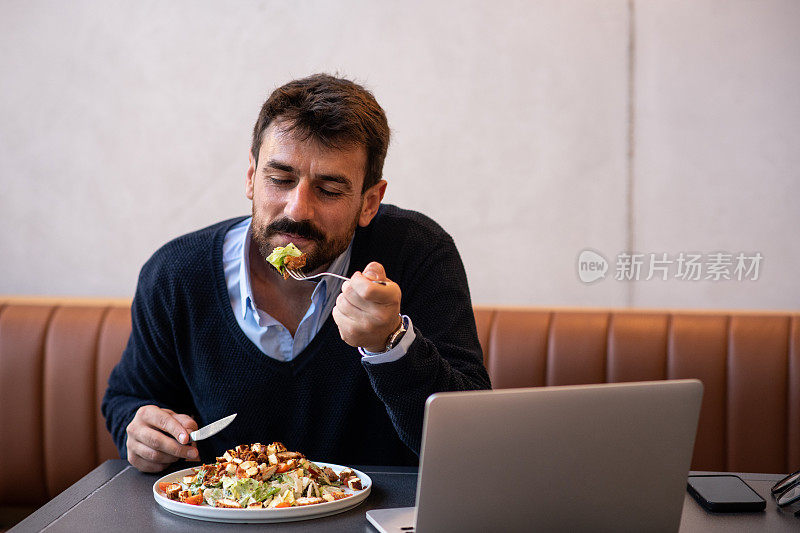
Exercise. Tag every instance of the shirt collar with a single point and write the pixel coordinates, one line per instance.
(329, 286)
(245, 289)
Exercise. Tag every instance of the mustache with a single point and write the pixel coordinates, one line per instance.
(302, 228)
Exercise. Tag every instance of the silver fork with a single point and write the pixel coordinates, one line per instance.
(298, 275)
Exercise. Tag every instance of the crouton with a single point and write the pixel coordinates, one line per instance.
(275, 447)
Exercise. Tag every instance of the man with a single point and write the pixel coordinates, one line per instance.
(337, 370)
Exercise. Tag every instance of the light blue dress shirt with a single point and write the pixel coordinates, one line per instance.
(269, 335)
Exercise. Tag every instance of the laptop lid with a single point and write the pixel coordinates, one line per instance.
(608, 457)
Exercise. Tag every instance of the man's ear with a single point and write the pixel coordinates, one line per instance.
(251, 173)
(371, 203)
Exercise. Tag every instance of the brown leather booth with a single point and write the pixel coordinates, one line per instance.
(56, 355)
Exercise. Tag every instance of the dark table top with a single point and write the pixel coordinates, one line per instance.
(116, 497)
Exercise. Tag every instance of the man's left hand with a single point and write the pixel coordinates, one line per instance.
(368, 313)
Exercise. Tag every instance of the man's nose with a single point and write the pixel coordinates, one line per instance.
(299, 204)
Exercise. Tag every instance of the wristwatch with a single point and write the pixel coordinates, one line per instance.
(397, 336)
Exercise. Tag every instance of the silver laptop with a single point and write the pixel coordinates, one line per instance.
(610, 457)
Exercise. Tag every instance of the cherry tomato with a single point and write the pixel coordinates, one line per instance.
(197, 499)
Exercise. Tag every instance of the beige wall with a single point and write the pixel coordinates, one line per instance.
(530, 130)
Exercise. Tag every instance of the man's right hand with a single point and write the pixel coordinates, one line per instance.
(159, 437)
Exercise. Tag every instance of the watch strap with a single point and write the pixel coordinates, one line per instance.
(397, 336)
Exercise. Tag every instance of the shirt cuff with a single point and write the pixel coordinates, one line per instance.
(395, 353)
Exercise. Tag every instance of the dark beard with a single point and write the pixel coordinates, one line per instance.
(325, 252)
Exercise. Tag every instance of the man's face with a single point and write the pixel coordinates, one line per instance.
(308, 194)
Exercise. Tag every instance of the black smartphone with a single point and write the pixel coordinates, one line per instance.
(725, 493)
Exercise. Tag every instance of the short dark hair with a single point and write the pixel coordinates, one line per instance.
(333, 111)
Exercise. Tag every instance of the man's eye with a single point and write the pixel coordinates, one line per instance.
(279, 181)
(330, 193)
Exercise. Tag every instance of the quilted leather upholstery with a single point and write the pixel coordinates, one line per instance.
(56, 355)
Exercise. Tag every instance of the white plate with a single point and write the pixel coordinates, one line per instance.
(285, 514)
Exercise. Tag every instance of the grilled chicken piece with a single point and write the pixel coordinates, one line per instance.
(294, 263)
(228, 503)
(308, 501)
(173, 490)
(266, 471)
(332, 477)
(336, 495)
(285, 456)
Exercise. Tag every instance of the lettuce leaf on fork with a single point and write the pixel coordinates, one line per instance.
(278, 256)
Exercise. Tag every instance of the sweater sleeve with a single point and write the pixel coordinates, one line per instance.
(148, 372)
(445, 355)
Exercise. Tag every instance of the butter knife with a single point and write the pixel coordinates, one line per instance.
(213, 428)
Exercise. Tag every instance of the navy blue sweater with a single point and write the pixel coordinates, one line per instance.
(186, 352)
